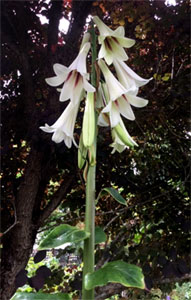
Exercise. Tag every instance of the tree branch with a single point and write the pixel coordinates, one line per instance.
(15, 221)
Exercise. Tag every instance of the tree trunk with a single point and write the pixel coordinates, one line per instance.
(19, 241)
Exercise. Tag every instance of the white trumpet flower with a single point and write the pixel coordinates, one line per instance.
(63, 128)
(110, 114)
(122, 106)
(75, 77)
(119, 99)
(112, 42)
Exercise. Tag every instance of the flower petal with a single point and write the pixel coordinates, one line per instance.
(117, 144)
(114, 86)
(87, 86)
(126, 132)
(124, 71)
(114, 115)
(68, 141)
(61, 119)
(103, 29)
(126, 42)
(102, 52)
(120, 31)
(77, 92)
(136, 101)
(126, 80)
(125, 109)
(79, 63)
(109, 57)
(124, 135)
(103, 120)
(70, 118)
(117, 50)
(101, 38)
(47, 128)
(58, 136)
(60, 70)
(67, 90)
(56, 80)
(85, 39)
(121, 138)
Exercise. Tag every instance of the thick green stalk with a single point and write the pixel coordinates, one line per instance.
(89, 244)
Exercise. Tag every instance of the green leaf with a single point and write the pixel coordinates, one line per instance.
(166, 76)
(100, 236)
(63, 234)
(114, 193)
(117, 272)
(41, 296)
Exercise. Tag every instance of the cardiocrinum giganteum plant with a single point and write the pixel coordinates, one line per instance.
(107, 102)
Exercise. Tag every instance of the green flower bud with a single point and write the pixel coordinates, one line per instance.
(88, 126)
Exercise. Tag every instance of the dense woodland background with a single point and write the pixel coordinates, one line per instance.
(38, 175)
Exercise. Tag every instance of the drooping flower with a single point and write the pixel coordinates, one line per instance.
(63, 128)
(122, 106)
(112, 42)
(110, 114)
(120, 97)
(121, 138)
(116, 99)
(74, 77)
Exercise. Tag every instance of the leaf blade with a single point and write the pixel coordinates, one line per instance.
(63, 234)
(100, 236)
(114, 193)
(116, 272)
(40, 296)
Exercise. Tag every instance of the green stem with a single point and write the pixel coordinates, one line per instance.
(89, 244)
(88, 257)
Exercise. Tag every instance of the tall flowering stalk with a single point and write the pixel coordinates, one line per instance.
(90, 130)
(107, 103)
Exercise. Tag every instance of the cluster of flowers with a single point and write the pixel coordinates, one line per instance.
(115, 97)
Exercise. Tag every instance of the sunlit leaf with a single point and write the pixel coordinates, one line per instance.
(114, 193)
(118, 272)
(166, 76)
(63, 234)
(41, 296)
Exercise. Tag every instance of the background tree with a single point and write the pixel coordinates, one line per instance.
(153, 230)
